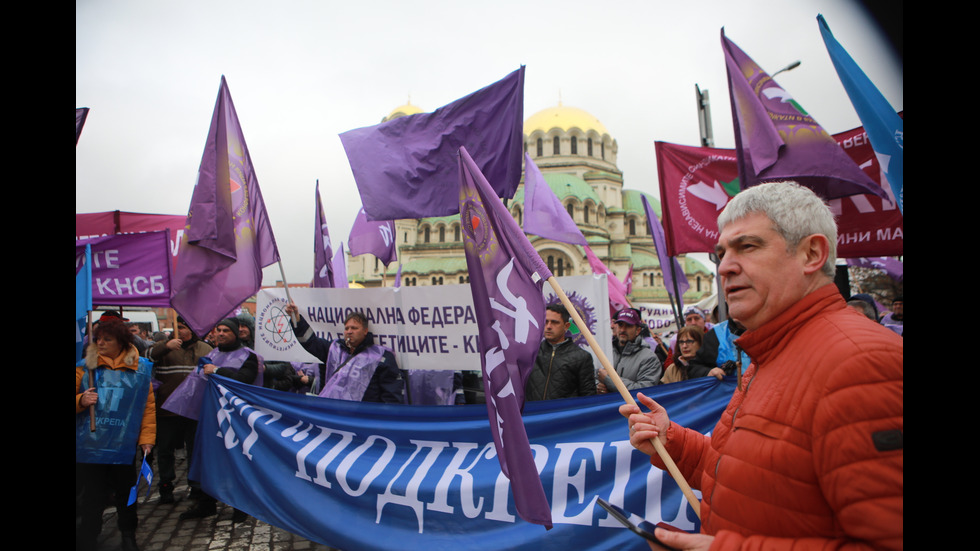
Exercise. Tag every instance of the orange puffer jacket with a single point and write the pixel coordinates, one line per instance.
(809, 454)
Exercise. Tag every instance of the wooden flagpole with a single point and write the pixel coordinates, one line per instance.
(657, 445)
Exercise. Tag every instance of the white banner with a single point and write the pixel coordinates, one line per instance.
(429, 327)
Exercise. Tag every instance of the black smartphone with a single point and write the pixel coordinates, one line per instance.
(640, 527)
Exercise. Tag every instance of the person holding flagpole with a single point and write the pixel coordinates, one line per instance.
(124, 406)
(809, 452)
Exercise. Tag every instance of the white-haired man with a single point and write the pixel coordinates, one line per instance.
(808, 454)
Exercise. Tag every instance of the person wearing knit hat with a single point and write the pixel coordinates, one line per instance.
(234, 360)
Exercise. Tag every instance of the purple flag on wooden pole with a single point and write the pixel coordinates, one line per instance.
(323, 275)
(544, 215)
(377, 238)
(669, 265)
(406, 167)
(628, 280)
(775, 139)
(506, 279)
(340, 268)
(228, 237)
(398, 276)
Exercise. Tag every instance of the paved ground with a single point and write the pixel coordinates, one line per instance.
(160, 529)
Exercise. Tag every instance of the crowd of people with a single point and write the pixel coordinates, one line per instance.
(135, 394)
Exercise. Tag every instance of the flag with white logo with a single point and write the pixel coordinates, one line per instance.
(377, 238)
(506, 279)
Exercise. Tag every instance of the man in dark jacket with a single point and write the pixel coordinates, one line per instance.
(562, 369)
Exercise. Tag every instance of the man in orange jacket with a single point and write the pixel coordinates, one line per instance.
(808, 453)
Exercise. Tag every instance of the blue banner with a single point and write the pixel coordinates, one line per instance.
(355, 475)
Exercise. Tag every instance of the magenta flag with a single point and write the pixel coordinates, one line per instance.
(81, 113)
(628, 280)
(374, 237)
(323, 275)
(776, 139)
(340, 268)
(669, 265)
(506, 279)
(228, 237)
(406, 167)
(544, 214)
(617, 291)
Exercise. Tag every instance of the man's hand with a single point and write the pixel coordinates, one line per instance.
(645, 426)
(208, 369)
(292, 310)
(174, 344)
(681, 540)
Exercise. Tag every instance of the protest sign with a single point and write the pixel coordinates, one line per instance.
(428, 327)
(129, 269)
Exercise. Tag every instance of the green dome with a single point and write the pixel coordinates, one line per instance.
(564, 185)
(633, 202)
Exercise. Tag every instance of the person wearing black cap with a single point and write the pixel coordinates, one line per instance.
(634, 361)
(173, 360)
(236, 361)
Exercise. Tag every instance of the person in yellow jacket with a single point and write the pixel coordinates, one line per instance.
(115, 381)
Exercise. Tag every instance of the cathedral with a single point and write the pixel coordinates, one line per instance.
(577, 156)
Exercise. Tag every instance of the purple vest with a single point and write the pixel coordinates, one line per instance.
(350, 381)
(235, 359)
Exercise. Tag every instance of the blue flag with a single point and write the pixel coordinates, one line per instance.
(885, 128)
(146, 472)
(83, 299)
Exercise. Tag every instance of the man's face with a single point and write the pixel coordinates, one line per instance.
(224, 336)
(183, 332)
(244, 332)
(354, 333)
(626, 332)
(759, 277)
(898, 308)
(134, 330)
(554, 327)
(694, 319)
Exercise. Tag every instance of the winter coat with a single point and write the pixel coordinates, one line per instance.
(809, 453)
(636, 364)
(562, 371)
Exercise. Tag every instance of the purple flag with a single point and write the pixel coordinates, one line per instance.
(506, 279)
(323, 275)
(893, 267)
(775, 139)
(628, 280)
(544, 215)
(81, 113)
(617, 291)
(228, 237)
(398, 276)
(406, 167)
(377, 238)
(669, 265)
(340, 268)
(129, 269)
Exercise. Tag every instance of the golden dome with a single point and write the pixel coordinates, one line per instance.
(404, 110)
(565, 118)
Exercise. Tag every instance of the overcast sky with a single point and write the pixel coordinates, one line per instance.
(302, 72)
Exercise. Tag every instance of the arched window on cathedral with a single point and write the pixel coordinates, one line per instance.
(590, 147)
(561, 267)
(602, 148)
(456, 233)
(557, 146)
(571, 211)
(632, 226)
(585, 213)
(425, 238)
(442, 234)
(574, 145)
(540, 147)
